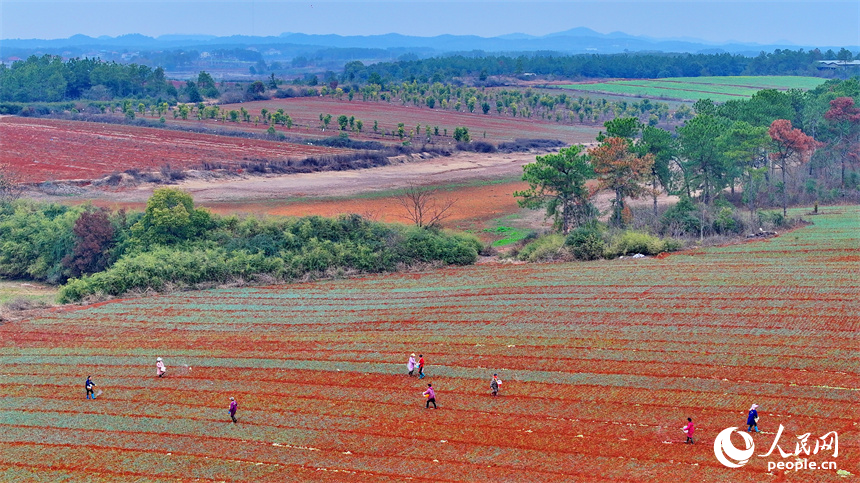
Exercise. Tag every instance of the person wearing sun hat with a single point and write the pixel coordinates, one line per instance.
(752, 419)
(410, 364)
(160, 370)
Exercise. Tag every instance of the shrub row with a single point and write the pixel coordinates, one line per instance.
(173, 243)
(594, 242)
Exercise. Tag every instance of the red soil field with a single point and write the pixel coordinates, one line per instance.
(49, 149)
(602, 363)
(305, 112)
(473, 204)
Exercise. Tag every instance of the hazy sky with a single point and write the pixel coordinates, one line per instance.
(810, 23)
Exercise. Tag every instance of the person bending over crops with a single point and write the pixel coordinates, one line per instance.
(430, 394)
(160, 370)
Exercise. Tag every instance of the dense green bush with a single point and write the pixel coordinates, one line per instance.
(34, 239)
(544, 248)
(771, 219)
(682, 218)
(728, 222)
(157, 268)
(586, 243)
(633, 242)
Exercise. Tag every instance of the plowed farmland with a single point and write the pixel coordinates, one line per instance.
(602, 363)
(305, 112)
(50, 149)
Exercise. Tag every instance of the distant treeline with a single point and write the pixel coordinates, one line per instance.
(49, 79)
(655, 65)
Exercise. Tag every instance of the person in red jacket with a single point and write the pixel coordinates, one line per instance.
(420, 366)
(689, 429)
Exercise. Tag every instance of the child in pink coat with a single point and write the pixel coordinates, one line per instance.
(160, 370)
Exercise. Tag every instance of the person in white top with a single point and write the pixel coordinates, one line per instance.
(410, 364)
(160, 370)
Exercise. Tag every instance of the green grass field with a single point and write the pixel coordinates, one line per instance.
(719, 89)
(34, 292)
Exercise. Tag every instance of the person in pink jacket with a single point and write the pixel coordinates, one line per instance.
(160, 370)
(430, 394)
(689, 429)
(233, 407)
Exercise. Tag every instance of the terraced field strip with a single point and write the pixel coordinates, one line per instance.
(306, 111)
(760, 82)
(719, 89)
(602, 363)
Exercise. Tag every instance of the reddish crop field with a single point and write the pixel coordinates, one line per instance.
(305, 112)
(602, 363)
(50, 149)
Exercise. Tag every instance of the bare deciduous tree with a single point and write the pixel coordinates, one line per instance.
(11, 186)
(423, 207)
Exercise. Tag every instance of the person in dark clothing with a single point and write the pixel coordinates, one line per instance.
(752, 419)
(89, 385)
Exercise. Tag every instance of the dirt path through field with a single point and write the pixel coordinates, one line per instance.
(482, 186)
(461, 167)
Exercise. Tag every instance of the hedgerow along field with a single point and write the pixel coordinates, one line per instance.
(718, 89)
(602, 363)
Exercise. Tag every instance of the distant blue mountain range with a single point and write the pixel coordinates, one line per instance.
(574, 41)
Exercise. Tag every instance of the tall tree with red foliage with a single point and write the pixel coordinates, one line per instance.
(790, 145)
(844, 123)
(94, 236)
(622, 171)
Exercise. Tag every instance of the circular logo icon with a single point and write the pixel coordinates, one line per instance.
(726, 452)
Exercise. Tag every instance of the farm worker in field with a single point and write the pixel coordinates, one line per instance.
(430, 394)
(410, 364)
(420, 366)
(160, 370)
(689, 429)
(494, 384)
(233, 407)
(752, 419)
(89, 385)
